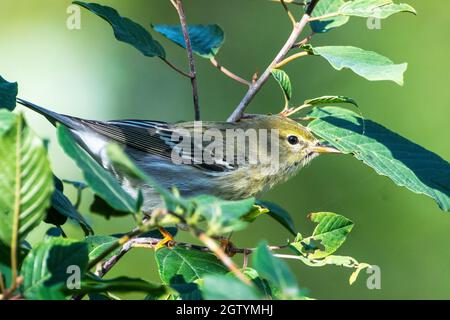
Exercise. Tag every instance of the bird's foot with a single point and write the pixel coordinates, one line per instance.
(166, 241)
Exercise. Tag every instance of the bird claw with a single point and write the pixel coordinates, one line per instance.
(166, 241)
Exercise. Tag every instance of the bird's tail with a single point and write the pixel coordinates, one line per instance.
(51, 116)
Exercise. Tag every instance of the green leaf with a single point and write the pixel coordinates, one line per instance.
(26, 181)
(186, 263)
(76, 184)
(7, 120)
(94, 284)
(388, 153)
(101, 181)
(285, 83)
(64, 208)
(262, 284)
(97, 245)
(379, 9)
(331, 232)
(5, 264)
(8, 94)
(330, 99)
(45, 269)
(367, 64)
(186, 291)
(227, 287)
(338, 12)
(325, 7)
(126, 30)
(53, 232)
(102, 208)
(275, 271)
(206, 40)
(5, 260)
(277, 213)
(221, 216)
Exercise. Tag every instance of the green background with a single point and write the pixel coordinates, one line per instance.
(87, 73)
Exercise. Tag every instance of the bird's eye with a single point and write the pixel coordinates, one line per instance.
(293, 140)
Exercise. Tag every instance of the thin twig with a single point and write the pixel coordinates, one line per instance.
(254, 89)
(226, 260)
(179, 7)
(289, 13)
(291, 58)
(287, 256)
(245, 263)
(299, 3)
(304, 41)
(228, 73)
(174, 67)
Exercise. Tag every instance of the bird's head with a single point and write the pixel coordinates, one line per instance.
(296, 145)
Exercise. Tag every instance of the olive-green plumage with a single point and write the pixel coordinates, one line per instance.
(230, 160)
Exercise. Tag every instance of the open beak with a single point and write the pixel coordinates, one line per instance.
(324, 149)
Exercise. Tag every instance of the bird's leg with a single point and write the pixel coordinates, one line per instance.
(165, 241)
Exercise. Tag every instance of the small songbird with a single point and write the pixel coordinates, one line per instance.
(234, 161)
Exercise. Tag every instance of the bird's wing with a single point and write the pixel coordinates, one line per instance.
(158, 138)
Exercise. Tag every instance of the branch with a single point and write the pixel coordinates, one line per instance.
(178, 4)
(299, 3)
(228, 73)
(174, 67)
(151, 243)
(254, 89)
(289, 13)
(304, 41)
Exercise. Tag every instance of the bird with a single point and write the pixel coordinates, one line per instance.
(169, 152)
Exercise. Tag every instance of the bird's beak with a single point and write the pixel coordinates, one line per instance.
(324, 149)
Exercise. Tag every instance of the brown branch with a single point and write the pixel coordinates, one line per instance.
(179, 7)
(226, 260)
(304, 41)
(174, 67)
(228, 73)
(254, 89)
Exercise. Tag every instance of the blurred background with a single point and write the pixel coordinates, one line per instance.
(87, 73)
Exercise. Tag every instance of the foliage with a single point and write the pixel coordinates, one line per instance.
(61, 268)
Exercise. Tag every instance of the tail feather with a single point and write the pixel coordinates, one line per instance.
(51, 116)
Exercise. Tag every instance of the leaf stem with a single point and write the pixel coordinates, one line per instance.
(291, 58)
(228, 73)
(254, 89)
(193, 75)
(174, 67)
(325, 16)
